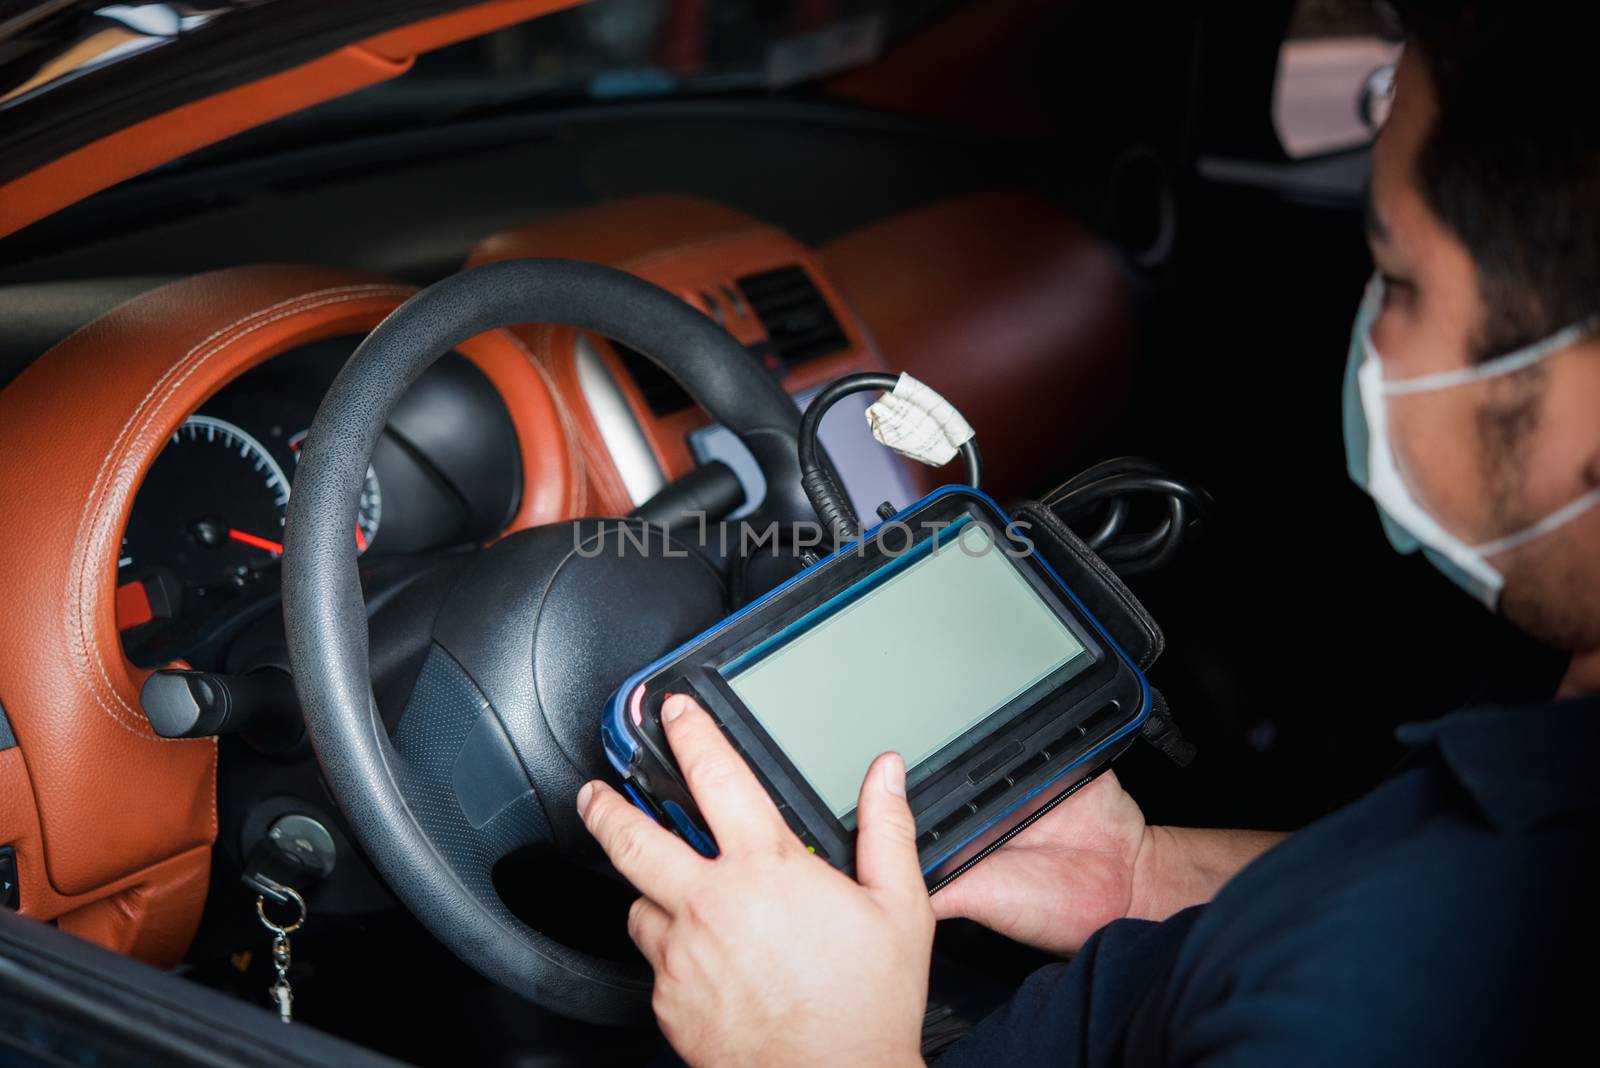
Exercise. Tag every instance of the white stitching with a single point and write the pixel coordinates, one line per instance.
(274, 313)
(577, 494)
(79, 575)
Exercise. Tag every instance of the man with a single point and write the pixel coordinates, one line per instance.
(1447, 918)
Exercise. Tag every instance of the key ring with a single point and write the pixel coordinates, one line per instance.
(292, 894)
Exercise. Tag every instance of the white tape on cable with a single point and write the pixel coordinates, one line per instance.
(915, 421)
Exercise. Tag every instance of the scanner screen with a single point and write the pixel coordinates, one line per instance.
(921, 660)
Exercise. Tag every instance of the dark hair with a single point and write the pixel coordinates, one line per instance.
(1512, 165)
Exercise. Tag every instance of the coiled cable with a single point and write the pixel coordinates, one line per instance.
(1105, 494)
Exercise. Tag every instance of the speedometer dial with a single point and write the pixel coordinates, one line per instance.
(206, 531)
(208, 520)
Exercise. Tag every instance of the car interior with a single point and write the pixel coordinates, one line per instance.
(1098, 229)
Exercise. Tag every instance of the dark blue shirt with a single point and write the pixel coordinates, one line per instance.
(1447, 918)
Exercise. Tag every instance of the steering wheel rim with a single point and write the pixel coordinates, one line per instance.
(325, 616)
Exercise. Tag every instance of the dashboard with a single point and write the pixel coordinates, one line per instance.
(199, 557)
(149, 431)
(198, 560)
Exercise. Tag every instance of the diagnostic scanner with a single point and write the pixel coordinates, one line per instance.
(942, 635)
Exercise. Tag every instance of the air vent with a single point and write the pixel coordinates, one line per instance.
(659, 389)
(799, 323)
(800, 327)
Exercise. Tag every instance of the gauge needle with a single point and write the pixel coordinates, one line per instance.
(361, 539)
(259, 543)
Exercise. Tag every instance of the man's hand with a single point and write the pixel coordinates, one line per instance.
(766, 955)
(1090, 860)
(1061, 879)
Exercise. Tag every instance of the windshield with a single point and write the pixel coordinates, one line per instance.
(612, 48)
(72, 69)
(628, 49)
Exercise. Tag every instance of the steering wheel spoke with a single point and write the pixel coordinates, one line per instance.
(459, 775)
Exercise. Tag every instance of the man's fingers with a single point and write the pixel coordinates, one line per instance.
(661, 865)
(886, 839)
(947, 903)
(647, 926)
(739, 811)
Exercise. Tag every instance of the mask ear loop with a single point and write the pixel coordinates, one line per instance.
(1558, 518)
(1510, 363)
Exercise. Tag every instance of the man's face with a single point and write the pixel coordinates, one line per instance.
(1488, 458)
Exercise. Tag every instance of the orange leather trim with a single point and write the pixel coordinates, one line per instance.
(553, 347)
(691, 247)
(157, 140)
(148, 144)
(615, 231)
(545, 434)
(1012, 310)
(151, 913)
(151, 916)
(112, 807)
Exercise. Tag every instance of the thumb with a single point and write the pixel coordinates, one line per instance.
(951, 901)
(886, 840)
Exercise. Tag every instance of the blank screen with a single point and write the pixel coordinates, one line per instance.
(910, 666)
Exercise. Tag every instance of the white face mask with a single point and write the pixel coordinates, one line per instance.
(1372, 462)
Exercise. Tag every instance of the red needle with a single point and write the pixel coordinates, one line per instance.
(259, 543)
(361, 539)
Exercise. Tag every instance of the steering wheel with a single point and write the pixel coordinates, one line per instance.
(533, 635)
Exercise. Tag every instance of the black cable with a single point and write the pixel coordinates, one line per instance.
(832, 506)
(1100, 501)
(739, 589)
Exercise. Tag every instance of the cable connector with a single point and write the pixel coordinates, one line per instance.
(816, 476)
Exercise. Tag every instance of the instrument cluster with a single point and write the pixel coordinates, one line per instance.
(200, 555)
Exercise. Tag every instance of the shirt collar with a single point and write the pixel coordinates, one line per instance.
(1523, 766)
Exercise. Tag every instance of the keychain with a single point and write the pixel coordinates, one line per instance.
(282, 996)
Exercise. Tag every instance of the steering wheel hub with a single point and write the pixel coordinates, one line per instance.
(548, 623)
